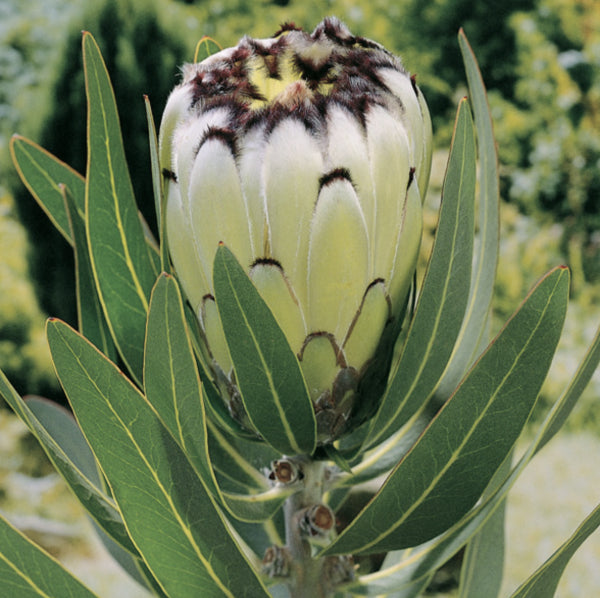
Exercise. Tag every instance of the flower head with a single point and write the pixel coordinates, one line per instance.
(308, 156)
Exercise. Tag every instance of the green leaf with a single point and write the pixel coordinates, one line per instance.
(472, 335)
(259, 537)
(482, 570)
(123, 269)
(100, 507)
(91, 321)
(42, 173)
(544, 581)
(171, 380)
(439, 313)
(255, 508)
(267, 372)
(239, 461)
(206, 47)
(414, 589)
(61, 425)
(483, 562)
(560, 412)
(423, 560)
(215, 405)
(26, 571)
(173, 387)
(170, 515)
(157, 185)
(385, 456)
(63, 428)
(447, 469)
(239, 465)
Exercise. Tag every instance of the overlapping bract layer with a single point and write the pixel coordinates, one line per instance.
(308, 156)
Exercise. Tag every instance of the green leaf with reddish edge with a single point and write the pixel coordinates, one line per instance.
(100, 507)
(42, 173)
(123, 268)
(169, 513)
(422, 560)
(472, 335)
(267, 372)
(443, 299)
(91, 321)
(450, 465)
(544, 581)
(26, 571)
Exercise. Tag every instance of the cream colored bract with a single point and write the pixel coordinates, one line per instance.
(308, 155)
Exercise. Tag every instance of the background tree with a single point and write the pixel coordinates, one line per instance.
(140, 51)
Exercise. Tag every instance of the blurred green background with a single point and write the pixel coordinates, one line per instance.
(541, 63)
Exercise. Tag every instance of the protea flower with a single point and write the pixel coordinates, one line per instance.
(308, 155)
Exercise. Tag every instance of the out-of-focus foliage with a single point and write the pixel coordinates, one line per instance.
(549, 136)
(142, 53)
(528, 247)
(24, 353)
(30, 42)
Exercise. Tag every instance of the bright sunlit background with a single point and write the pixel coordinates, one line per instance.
(541, 63)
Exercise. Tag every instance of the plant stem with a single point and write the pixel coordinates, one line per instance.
(306, 578)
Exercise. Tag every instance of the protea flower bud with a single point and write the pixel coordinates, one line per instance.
(308, 156)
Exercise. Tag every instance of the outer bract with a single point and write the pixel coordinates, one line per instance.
(308, 155)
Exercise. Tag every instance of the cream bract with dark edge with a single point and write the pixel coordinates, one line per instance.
(308, 155)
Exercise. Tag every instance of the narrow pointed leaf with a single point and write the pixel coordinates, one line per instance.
(93, 499)
(239, 463)
(63, 428)
(157, 186)
(42, 173)
(206, 47)
(560, 412)
(414, 589)
(434, 554)
(486, 256)
(171, 378)
(61, 425)
(258, 537)
(483, 561)
(544, 581)
(241, 467)
(443, 298)
(255, 508)
(446, 471)
(482, 570)
(91, 321)
(123, 268)
(157, 178)
(215, 405)
(26, 571)
(268, 375)
(385, 456)
(170, 515)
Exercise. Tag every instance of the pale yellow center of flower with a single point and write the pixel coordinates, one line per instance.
(288, 88)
